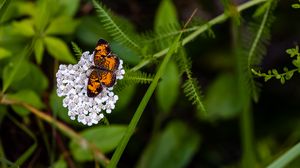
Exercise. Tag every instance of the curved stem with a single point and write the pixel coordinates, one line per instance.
(62, 127)
(219, 19)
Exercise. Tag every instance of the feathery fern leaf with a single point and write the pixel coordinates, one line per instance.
(184, 63)
(155, 38)
(77, 50)
(134, 77)
(113, 29)
(191, 86)
(254, 44)
(139, 77)
(260, 38)
(162, 33)
(192, 91)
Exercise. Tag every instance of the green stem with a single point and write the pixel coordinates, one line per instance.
(137, 115)
(273, 75)
(248, 158)
(219, 19)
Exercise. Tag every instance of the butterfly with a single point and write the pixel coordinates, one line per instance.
(104, 69)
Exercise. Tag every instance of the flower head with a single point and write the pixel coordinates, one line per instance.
(72, 83)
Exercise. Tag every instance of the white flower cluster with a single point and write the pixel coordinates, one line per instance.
(72, 83)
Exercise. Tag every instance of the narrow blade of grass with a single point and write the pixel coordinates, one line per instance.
(287, 157)
(8, 163)
(31, 149)
(26, 154)
(137, 115)
(3, 8)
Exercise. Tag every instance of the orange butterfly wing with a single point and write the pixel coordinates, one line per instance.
(104, 70)
(107, 78)
(94, 86)
(110, 63)
(102, 50)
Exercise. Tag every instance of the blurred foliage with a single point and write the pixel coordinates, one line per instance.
(37, 35)
(174, 147)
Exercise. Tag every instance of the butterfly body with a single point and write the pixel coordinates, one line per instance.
(104, 69)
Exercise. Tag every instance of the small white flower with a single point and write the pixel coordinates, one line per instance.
(72, 83)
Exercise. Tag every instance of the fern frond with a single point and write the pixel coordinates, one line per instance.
(77, 50)
(191, 86)
(184, 63)
(192, 91)
(113, 29)
(254, 43)
(134, 77)
(164, 34)
(260, 38)
(155, 41)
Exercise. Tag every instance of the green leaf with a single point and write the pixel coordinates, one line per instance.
(125, 53)
(68, 7)
(61, 163)
(44, 11)
(174, 148)
(89, 30)
(23, 28)
(267, 78)
(36, 80)
(289, 75)
(297, 62)
(222, 98)
(106, 138)
(58, 49)
(25, 96)
(39, 50)
(165, 15)
(274, 71)
(293, 51)
(17, 9)
(56, 104)
(3, 7)
(125, 96)
(282, 80)
(15, 70)
(296, 6)
(62, 25)
(168, 87)
(4, 53)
